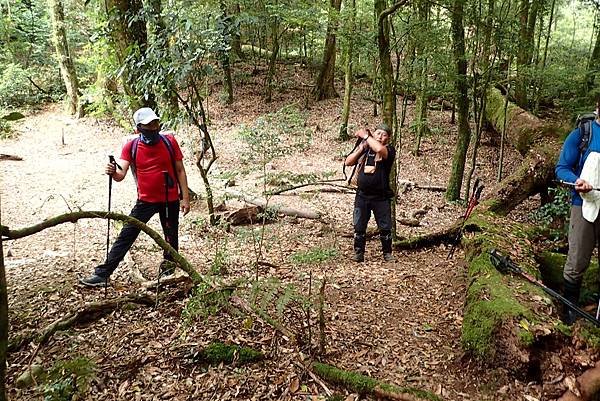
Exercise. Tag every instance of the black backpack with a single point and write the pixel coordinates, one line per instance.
(584, 123)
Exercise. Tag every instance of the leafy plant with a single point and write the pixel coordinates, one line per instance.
(313, 256)
(557, 209)
(69, 380)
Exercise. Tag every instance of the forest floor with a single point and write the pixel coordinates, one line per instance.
(399, 321)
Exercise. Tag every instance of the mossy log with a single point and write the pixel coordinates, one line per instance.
(538, 142)
(73, 217)
(366, 385)
(217, 353)
(504, 316)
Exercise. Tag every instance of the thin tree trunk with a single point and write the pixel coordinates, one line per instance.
(169, 105)
(273, 58)
(324, 88)
(462, 102)
(61, 45)
(421, 102)
(129, 35)
(236, 35)
(593, 65)
(344, 135)
(224, 55)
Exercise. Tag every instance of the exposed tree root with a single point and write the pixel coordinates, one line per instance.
(368, 386)
(90, 312)
(588, 385)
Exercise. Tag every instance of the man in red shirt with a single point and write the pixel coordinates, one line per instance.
(157, 164)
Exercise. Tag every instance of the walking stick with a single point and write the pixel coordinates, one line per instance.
(111, 159)
(504, 265)
(473, 201)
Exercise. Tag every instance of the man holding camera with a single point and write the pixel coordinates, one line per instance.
(375, 159)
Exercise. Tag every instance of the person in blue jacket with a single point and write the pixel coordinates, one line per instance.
(583, 235)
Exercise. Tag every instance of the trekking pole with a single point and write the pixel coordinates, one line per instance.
(504, 265)
(572, 184)
(111, 159)
(473, 201)
(166, 176)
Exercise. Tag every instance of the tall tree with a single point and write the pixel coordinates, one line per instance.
(423, 9)
(130, 41)
(348, 79)
(527, 18)
(461, 100)
(593, 63)
(65, 61)
(273, 59)
(325, 88)
(224, 26)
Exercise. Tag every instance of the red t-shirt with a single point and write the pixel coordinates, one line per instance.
(150, 162)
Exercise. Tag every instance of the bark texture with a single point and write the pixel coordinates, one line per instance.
(63, 54)
(325, 88)
(462, 101)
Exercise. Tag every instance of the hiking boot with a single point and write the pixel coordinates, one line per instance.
(388, 257)
(94, 281)
(358, 257)
(167, 268)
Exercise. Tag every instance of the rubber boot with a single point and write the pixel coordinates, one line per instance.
(360, 240)
(572, 290)
(386, 245)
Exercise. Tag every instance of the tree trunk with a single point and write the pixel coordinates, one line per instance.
(462, 102)
(129, 37)
(225, 27)
(527, 18)
(422, 96)
(592, 65)
(236, 36)
(273, 58)
(325, 88)
(385, 61)
(61, 45)
(348, 81)
(169, 105)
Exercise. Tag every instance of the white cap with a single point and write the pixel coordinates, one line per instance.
(145, 115)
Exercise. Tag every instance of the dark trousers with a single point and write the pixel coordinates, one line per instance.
(143, 211)
(382, 210)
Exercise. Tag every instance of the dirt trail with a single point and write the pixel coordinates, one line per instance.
(399, 322)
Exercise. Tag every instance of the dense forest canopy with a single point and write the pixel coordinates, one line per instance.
(120, 48)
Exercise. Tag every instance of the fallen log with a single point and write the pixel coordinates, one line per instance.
(306, 214)
(366, 385)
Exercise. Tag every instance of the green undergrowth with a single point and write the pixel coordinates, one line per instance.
(591, 336)
(366, 385)
(551, 267)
